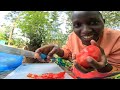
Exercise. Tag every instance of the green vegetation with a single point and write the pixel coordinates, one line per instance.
(39, 28)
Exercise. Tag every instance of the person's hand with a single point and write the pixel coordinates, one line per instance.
(49, 50)
(99, 66)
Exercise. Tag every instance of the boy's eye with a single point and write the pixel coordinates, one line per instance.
(77, 25)
(93, 23)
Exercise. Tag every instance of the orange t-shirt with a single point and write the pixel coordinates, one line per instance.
(109, 41)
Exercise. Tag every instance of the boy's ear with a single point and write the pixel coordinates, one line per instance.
(104, 20)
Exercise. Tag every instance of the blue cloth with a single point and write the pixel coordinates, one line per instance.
(9, 61)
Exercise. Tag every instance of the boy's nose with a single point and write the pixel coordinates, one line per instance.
(86, 28)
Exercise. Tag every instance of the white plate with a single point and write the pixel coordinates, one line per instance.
(38, 68)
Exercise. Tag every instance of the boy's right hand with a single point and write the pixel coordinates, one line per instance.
(49, 50)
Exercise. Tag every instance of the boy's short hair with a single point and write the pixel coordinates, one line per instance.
(100, 14)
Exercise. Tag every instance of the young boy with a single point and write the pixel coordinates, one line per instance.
(88, 28)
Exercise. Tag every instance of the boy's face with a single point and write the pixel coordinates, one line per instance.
(87, 25)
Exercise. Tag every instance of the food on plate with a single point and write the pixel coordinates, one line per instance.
(59, 75)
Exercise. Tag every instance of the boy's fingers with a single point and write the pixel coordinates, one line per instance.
(37, 56)
(42, 61)
(94, 63)
(93, 43)
(103, 57)
(52, 52)
(38, 50)
(80, 68)
(73, 56)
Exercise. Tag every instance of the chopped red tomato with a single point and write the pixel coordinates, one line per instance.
(47, 76)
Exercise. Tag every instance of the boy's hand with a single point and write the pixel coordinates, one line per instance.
(99, 66)
(49, 50)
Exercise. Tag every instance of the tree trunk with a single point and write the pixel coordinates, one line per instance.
(11, 33)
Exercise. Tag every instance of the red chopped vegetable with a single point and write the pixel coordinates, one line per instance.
(47, 76)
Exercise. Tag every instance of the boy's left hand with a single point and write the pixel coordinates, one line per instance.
(99, 66)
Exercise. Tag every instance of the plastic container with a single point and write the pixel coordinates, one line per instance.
(9, 61)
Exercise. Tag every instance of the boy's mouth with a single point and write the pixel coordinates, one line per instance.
(87, 37)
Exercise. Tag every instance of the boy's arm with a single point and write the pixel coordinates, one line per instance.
(67, 49)
(114, 56)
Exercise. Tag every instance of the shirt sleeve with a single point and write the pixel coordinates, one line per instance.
(67, 48)
(114, 56)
